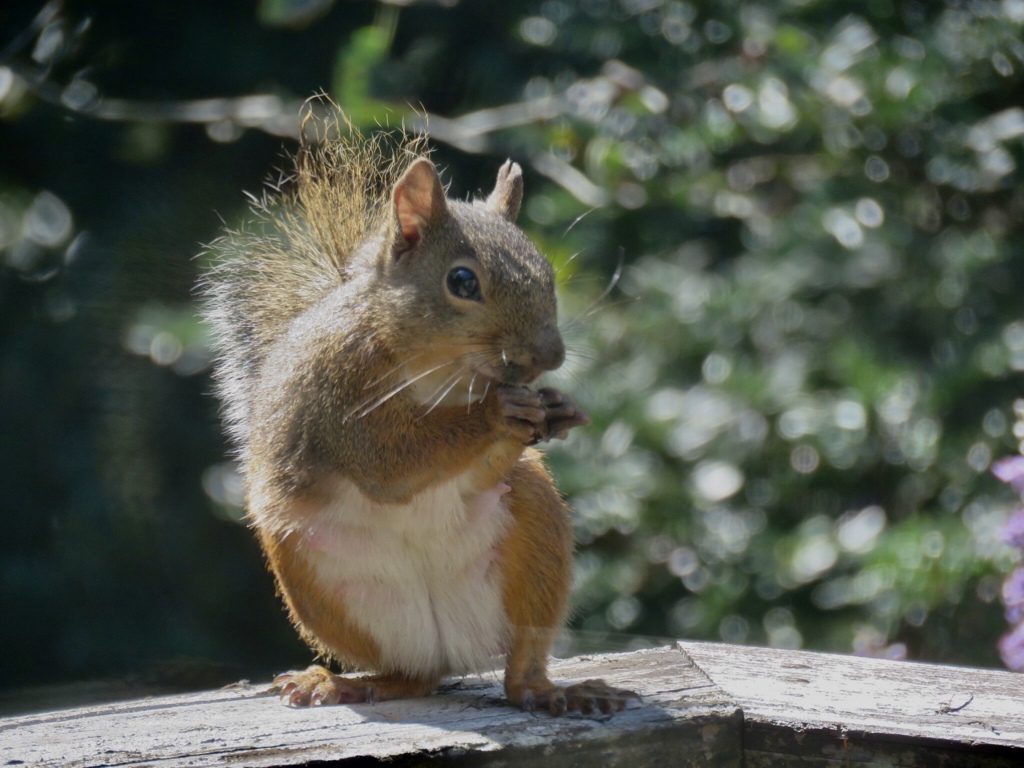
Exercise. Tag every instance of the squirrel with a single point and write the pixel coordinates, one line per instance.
(376, 343)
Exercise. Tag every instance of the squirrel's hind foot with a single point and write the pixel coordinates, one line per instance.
(587, 698)
(317, 686)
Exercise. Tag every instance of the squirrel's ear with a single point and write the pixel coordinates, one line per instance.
(419, 201)
(507, 196)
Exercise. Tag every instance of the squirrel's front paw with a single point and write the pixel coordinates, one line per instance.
(523, 412)
(539, 416)
(561, 413)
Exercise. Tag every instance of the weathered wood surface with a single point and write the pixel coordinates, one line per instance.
(704, 705)
(684, 721)
(816, 709)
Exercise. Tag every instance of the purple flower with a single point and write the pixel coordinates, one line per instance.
(1011, 470)
(1013, 596)
(1011, 648)
(1011, 645)
(1013, 533)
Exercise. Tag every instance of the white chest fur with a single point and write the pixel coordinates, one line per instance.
(420, 578)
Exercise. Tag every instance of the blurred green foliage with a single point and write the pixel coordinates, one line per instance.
(826, 210)
(798, 384)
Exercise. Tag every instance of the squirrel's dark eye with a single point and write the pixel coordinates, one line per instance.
(463, 283)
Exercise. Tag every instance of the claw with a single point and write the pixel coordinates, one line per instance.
(529, 702)
(559, 704)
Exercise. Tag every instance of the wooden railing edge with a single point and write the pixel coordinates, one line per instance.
(704, 704)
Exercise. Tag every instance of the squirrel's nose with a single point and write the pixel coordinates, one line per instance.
(549, 352)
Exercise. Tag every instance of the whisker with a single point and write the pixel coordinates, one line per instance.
(594, 310)
(455, 380)
(567, 262)
(370, 404)
(577, 323)
(577, 220)
(616, 276)
(577, 355)
(466, 342)
(580, 384)
(579, 279)
(469, 396)
(397, 368)
(441, 386)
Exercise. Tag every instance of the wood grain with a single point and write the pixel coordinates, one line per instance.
(684, 720)
(832, 710)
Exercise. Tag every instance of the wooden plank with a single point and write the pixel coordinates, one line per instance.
(684, 720)
(817, 709)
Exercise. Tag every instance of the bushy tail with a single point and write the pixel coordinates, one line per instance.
(295, 248)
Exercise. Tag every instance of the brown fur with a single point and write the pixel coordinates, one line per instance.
(536, 560)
